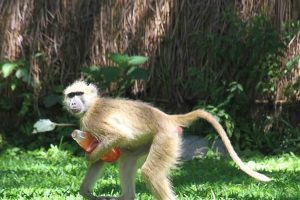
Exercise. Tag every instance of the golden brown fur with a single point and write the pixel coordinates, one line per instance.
(138, 129)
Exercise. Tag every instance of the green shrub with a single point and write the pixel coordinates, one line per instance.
(244, 63)
(17, 89)
(14, 76)
(117, 79)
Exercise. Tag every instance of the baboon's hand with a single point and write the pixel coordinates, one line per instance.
(92, 157)
(98, 152)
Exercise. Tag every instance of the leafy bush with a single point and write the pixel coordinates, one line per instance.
(14, 76)
(18, 102)
(244, 63)
(19, 110)
(249, 53)
(117, 79)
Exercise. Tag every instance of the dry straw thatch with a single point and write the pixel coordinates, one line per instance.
(59, 37)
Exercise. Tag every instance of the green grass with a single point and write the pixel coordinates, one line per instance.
(56, 174)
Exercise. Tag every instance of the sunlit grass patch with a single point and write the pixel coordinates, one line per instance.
(57, 174)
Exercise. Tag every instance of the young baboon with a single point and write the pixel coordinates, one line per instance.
(138, 129)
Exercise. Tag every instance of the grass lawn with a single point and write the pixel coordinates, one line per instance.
(54, 174)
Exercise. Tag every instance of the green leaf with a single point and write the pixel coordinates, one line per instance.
(23, 74)
(91, 71)
(137, 60)
(131, 70)
(138, 73)
(7, 68)
(119, 59)
(110, 74)
(13, 86)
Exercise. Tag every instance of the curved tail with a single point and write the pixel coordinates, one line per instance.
(186, 119)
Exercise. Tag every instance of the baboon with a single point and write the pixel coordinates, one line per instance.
(138, 129)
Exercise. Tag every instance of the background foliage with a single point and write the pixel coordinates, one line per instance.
(237, 59)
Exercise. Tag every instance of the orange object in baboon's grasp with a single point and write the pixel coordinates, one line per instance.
(89, 143)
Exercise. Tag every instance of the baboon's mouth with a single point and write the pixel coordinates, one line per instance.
(75, 110)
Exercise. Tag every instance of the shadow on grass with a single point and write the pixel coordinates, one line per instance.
(208, 170)
(107, 188)
(217, 175)
(214, 174)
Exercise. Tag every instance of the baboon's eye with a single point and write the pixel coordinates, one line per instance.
(73, 94)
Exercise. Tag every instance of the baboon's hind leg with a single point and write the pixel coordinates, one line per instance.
(163, 155)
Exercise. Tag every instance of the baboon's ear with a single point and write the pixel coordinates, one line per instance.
(93, 88)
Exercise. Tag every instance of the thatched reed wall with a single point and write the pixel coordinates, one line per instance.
(59, 37)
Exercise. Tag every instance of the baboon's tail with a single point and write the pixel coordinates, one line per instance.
(186, 119)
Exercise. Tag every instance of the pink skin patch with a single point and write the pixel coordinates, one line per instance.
(179, 130)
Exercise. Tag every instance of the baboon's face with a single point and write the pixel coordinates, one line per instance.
(79, 96)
